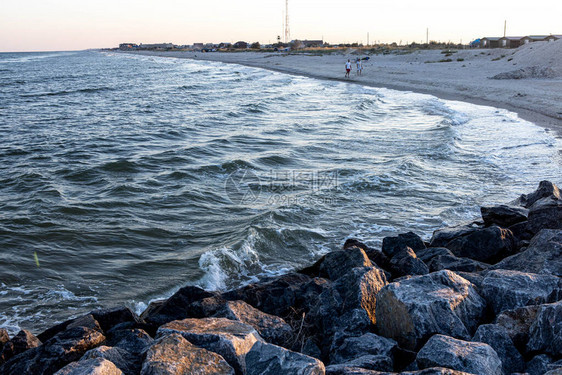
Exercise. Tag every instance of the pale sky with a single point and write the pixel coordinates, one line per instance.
(51, 25)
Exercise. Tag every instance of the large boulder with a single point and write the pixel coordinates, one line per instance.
(471, 357)
(517, 324)
(497, 337)
(443, 236)
(405, 262)
(338, 263)
(270, 327)
(376, 256)
(441, 302)
(392, 245)
(546, 213)
(231, 339)
(174, 355)
(453, 263)
(542, 364)
(503, 215)
(125, 361)
(108, 318)
(543, 255)
(368, 344)
(65, 347)
(4, 337)
(486, 245)
(134, 340)
(269, 359)
(21, 342)
(545, 334)
(545, 189)
(507, 290)
(427, 254)
(94, 366)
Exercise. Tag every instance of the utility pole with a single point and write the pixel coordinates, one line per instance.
(367, 39)
(504, 27)
(427, 36)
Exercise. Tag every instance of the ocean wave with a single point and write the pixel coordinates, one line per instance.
(68, 92)
(437, 107)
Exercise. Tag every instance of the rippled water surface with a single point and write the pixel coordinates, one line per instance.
(128, 177)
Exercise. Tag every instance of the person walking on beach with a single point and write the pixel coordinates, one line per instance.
(359, 67)
(347, 68)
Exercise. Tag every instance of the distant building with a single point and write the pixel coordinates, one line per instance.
(552, 38)
(313, 43)
(198, 46)
(127, 46)
(490, 42)
(157, 46)
(511, 41)
(533, 38)
(240, 45)
(225, 45)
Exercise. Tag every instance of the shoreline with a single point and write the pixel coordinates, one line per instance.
(534, 101)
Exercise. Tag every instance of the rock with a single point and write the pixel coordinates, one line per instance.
(108, 318)
(503, 215)
(279, 295)
(21, 342)
(375, 363)
(405, 262)
(507, 290)
(178, 306)
(376, 256)
(539, 365)
(270, 327)
(546, 213)
(352, 348)
(338, 263)
(94, 366)
(486, 245)
(172, 354)
(392, 245)
(517, 324)
(453, 263)
(522, 233)
(545, 334)
(87, 320)
(269, 359)
(545, 189)
(65, 347)
(471, 357)
(436, 371)
(351, 370)
(125, 361)
(443, 236)
(431, 252)
(134, 340)
(543, 256)
(4, 337)
(497, 337)
(441, 302)
(231, 339)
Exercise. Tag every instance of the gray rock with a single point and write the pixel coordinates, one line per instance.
(545, 189)
(338, 263)
(497, 337)
(352, 348)
(443, 236)
(172, 354)
(134, 340)
(453, 263)
(503, 215)
(517, 324)
(110, 317)
(376, 256)
(270, 327)
(544, 255)
(507, 289)
(125, 361)
(546, 213)
(471, 357)
(436, 371)
(429, 253)
(539, 365)
(231, 339)
(21, 342)
(351, 370)
(371, 362)
(441, 302)
(94, 366)
(486, 245)
(269, 359)
(405, 262)
(392, 245)
(545, 334)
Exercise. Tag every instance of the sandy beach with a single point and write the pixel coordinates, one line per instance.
(536, 98)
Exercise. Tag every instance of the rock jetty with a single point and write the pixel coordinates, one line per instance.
(479, 298)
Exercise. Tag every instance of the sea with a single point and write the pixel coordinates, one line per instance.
(125, 177)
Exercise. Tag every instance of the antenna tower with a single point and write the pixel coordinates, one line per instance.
(287, 31)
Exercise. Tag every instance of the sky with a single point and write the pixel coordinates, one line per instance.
(57, 25)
